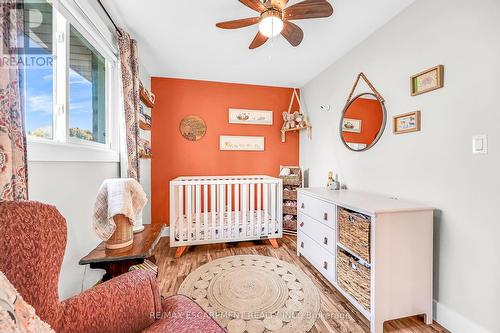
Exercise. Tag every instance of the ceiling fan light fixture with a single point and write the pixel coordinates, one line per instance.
(271, 23)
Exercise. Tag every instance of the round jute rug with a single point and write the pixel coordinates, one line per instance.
(255, 294)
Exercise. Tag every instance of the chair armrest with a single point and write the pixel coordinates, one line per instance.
(127, 303)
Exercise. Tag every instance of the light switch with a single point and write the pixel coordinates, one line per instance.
(480, 144)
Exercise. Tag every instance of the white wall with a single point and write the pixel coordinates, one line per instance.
(436, 165)
(72, 188)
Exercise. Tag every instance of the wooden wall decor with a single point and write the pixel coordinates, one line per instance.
(250, 117)
(193, 128)
(428, 80)
(297, 126)
(406, 123)
(242, 143)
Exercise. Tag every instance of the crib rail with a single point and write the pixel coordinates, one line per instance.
(215, 209)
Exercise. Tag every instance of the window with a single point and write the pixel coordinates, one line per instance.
(87, 116)
(38, 72)
(67, 75)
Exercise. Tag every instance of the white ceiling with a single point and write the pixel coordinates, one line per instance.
(179, 39)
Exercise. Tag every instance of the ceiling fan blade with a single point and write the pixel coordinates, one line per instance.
(259, 40)
(308, 9)
(236, 24)
(255, 5)
(292, 33)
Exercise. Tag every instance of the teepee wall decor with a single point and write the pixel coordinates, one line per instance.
(295, 120)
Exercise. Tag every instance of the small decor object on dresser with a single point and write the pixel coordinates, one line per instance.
(332, 184)
(250, 143)
(250, 117)
(293, 179)
(408, 122)
(193, 128)
(428, 80)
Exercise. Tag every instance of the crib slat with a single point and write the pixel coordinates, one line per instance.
(213, 207)
(252, 208)
(237, 208)
(259, 205)
(244, 207)
(266, 207)
(273, 209)
(230, 225)
(205, 212)
(198, 210)
(189, 210)
(221, 211)
(180, 219)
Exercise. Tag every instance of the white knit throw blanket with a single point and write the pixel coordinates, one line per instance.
(117, 196)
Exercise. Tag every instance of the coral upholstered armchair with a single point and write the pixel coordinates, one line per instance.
(32, 243)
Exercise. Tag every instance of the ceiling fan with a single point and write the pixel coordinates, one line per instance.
(274, 19)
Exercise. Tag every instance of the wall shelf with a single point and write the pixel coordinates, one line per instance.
(284, 131)
(146, 98)
(144, 126)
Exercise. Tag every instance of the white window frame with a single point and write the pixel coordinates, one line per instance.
(62, 147)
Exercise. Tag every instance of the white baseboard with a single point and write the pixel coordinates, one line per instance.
(455, 322)
(166, 232)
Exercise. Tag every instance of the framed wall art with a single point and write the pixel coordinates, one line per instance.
(250, 143)
(408, 122)
(250, 117)
(351, 125)
(428, 80)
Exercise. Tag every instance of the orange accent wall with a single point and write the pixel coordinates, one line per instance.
(175, 156)
(370, 113)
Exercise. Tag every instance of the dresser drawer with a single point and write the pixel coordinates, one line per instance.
(318, 209)
(354, 232)
(354, 278)
(322, 234)
(322, 260)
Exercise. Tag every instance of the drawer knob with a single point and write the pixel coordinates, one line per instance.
(325, 216)
(301, 224)
(302, 206)
(302, 244)
(351, 219)
(325, 241)
(325, 265)
(353, 266)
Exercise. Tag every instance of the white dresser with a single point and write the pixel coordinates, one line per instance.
(377, 251)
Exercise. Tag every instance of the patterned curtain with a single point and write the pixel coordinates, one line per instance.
(13, 168)
(130, 82)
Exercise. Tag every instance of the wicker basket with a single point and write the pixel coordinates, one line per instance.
(123, 235)
(290, 195)
(354, 278)
(292, 180)
(354, 233)
(289, 210)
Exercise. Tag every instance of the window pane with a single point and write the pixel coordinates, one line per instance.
(87, 116)
(38, 70)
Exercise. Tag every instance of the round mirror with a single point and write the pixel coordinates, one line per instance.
(363, 122)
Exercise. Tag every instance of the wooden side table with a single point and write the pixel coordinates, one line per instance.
(117, 262)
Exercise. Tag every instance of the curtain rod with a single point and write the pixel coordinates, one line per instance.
(109, 16)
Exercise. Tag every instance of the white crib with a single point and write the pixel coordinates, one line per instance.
(206, 210)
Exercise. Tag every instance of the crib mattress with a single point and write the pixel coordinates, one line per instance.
(231, 229)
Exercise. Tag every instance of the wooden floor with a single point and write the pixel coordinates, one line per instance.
(337, 314)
